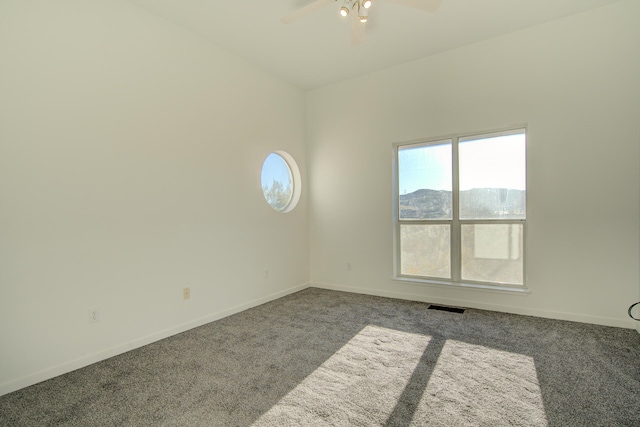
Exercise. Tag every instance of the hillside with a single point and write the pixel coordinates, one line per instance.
(477, 203)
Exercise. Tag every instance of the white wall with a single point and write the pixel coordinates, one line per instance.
(575, 84)
(130, 158)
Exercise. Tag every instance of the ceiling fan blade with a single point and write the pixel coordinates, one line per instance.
(358, 30)
(426, 5)
(302, 12)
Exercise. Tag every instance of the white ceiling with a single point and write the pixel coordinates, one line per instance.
(316, 50)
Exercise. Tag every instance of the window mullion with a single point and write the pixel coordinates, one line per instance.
(455, 215)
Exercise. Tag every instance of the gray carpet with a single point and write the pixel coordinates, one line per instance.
(326, 358)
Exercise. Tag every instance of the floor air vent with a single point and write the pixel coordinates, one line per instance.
(449, 309)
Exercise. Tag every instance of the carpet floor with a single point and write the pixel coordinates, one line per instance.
(327, 358)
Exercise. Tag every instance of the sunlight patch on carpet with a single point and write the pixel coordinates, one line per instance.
(490, 386)
(359, 384)
(389, 377)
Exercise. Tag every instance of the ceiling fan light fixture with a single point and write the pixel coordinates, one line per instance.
(363, 14)
(344, 11)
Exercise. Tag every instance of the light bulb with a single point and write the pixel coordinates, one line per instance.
(366, 4)
(344, 11)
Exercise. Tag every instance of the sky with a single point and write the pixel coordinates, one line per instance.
(275, 168)
(496, 162)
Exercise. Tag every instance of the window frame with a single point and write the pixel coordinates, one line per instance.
(294, 175)
(455, 223)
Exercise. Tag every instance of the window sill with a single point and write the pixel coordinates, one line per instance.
(520, 290)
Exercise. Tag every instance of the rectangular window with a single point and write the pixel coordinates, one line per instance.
(460, 209)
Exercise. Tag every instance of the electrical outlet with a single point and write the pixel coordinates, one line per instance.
(348, 266)
(94, 315)
(266, 274)
(186, 293)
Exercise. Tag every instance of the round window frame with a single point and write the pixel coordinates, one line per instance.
(296, 179)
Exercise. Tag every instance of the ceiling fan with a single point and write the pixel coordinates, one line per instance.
(359, 10)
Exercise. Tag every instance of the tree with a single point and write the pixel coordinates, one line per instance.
(277, 195)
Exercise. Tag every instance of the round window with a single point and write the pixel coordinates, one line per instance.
(280, 181)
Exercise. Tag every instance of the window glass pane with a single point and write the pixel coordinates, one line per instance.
(277, 182)
(425, 250)
(492, 177)
(492, 253)
(424, 181)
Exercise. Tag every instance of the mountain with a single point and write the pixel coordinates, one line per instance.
(477, 203)
(426, 204)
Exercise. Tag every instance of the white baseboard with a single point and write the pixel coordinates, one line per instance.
(548, 314)
(90, 359)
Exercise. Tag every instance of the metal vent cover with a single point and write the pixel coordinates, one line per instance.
(445, 308)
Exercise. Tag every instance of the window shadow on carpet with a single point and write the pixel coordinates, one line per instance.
(410, 398)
